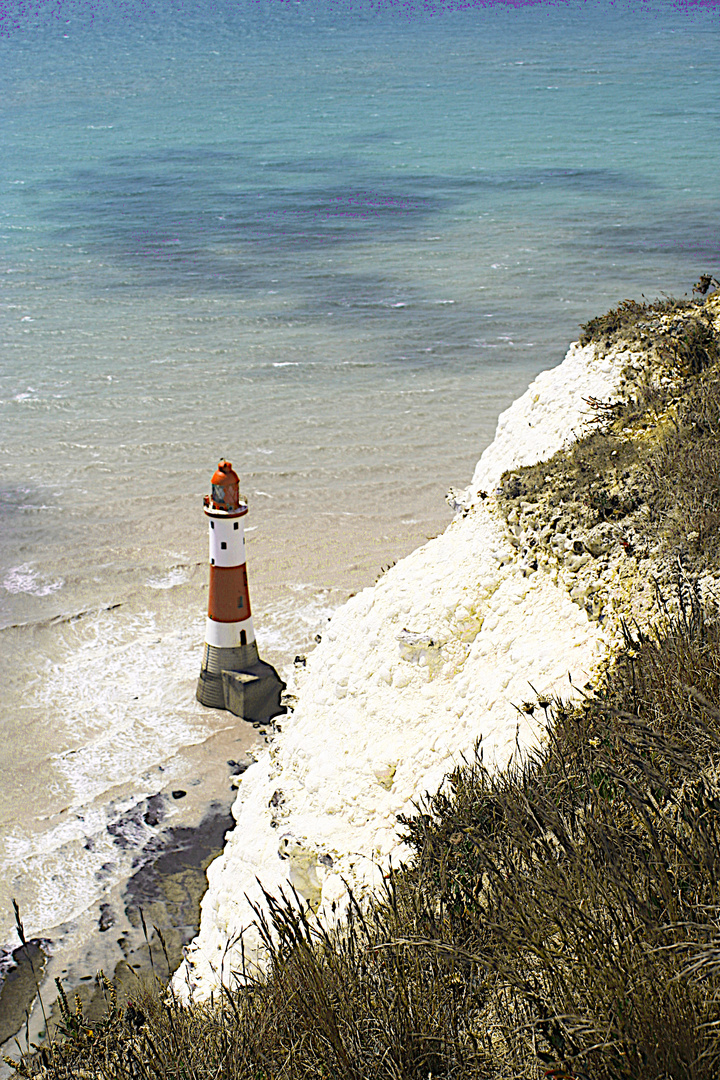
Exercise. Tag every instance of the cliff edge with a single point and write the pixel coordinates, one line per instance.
(520, 599)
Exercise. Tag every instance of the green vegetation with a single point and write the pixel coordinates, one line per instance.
(629, 321)
(649, 463)
(559, 920)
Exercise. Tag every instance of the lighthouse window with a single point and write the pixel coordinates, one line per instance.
(236, 525)
(223, 545)
(243, 635)
(212, 524)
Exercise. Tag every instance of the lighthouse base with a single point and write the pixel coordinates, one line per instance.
(239, 681)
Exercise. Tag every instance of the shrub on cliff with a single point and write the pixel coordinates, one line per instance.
(648, 462)
(629, 321)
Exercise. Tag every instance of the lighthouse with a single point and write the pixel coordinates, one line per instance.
(232, 676)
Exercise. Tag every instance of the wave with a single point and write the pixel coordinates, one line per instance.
(25, 579)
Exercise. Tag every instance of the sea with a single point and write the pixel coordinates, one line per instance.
(329, 240)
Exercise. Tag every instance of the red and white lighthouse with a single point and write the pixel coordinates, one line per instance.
(232, 675)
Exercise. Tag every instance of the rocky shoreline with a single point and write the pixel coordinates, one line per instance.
(166, 885)
(167, 888)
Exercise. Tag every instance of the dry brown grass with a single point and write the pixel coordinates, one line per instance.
(591, 877)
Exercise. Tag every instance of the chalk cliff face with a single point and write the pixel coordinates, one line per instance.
(445, 649)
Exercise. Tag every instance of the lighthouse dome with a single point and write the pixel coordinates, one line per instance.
(225, 487)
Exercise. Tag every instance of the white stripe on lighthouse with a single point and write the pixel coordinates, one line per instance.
(225, 635)
(227, 542)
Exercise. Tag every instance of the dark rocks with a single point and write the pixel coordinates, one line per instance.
(155, 810)
(237, 768)
(25, 968)
(107, 918)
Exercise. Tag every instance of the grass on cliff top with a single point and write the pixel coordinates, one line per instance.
(649, 463)
(559, 920)
(629, 321)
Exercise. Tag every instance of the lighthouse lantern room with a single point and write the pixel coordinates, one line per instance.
(232, 675)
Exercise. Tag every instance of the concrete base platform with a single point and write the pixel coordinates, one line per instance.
(239, 681)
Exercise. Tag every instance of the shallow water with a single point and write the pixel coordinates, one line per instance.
(328, 241)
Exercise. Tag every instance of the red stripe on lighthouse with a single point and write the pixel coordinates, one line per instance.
(228, 599)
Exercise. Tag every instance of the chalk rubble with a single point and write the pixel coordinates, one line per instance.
(445, 649)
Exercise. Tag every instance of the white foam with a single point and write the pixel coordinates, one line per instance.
(24, 579)
(176, 576)
(122, 701)
(76, 851)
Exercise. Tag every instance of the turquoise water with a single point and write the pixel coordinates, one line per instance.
(328, 241)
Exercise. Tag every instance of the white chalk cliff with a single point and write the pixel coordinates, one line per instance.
(442, 651)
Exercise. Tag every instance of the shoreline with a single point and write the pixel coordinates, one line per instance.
(167, 883)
